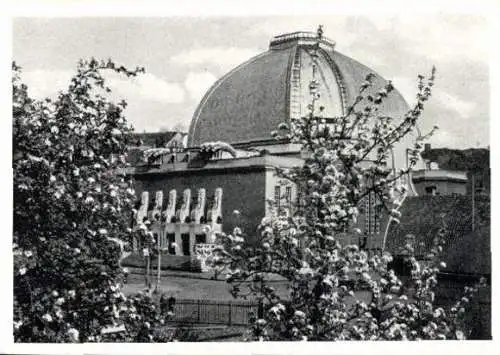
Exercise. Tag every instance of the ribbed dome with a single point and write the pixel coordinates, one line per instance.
(250, 101)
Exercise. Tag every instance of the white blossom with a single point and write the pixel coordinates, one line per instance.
(17, 324)
(261, 322)
(59, 314)
(265, 221)
(73, 334)
(299, 314)
(239, 239)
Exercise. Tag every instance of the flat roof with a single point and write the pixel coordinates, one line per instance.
(198, 165)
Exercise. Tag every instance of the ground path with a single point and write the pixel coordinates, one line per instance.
(183, 286)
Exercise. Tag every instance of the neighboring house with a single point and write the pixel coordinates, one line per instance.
(467, 248)
(474, 161)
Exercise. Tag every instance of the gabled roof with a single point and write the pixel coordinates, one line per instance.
(466, 251)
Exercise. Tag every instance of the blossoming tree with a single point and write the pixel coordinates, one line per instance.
(338, 291)
(71, 206)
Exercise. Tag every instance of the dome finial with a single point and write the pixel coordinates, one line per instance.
(319, 31)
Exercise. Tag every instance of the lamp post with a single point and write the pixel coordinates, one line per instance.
(473, 202)
(147, 249)
(147, 267)
(158, 266)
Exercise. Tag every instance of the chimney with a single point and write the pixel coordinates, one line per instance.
(427, 147)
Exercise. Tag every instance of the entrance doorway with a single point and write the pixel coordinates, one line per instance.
(185, 244)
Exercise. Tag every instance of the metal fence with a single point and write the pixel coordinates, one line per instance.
(214, 312)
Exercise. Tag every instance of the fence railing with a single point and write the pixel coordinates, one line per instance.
(214, 312)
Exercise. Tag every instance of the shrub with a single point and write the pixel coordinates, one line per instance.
(71, 204)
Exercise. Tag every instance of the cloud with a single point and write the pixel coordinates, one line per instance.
(439, 37)
(440, 98)
(46, 83)
(463, 108)
(146, 87)
(197, 84)
(445, 139)
(225, 57)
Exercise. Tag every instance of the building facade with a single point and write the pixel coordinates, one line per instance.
(231, 153)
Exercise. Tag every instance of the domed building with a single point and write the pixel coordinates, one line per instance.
(247, 104)
(231, 160)
(231, 156)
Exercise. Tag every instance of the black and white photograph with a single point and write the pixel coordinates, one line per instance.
(250, 178)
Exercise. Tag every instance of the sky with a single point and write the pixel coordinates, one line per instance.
(184, 56)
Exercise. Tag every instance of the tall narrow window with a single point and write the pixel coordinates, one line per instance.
(367, 214)
(372, 215)
(288, 194)
(277, 197)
